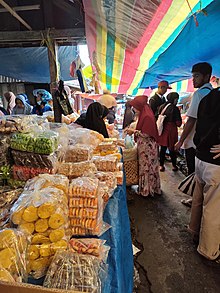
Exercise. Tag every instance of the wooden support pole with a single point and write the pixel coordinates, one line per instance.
(53, 63)
(4, 4)
(22, 8)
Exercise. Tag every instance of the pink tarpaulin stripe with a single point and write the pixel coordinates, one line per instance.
(133, 58)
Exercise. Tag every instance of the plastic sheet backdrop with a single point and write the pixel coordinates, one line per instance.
(126, 37)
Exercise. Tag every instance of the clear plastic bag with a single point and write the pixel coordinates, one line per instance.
(130, 154)
(33, 160)
(43, 215)
(129, 143)
(85, 206)
(72, 271)
(7, 125)
(78, 153)
(74, 170)
(120, 177)
(106, 163)
(84, 136)
(90, 246)
(13, 252)
(47, 180)
(25, 173)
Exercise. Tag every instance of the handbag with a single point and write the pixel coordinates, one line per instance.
(161, 119)
(187, 186)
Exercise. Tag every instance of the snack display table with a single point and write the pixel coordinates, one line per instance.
(120, 258)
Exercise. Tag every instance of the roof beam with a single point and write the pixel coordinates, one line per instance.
(4, 4)
(55, 34)
(22, 8)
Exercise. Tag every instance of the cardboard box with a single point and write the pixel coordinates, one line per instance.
(6, 287)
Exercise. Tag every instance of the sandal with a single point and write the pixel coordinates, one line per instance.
(162, 168)
(187, 202)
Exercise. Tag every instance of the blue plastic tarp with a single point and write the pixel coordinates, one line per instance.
(120, 258)
(32, 64)
(194, 44)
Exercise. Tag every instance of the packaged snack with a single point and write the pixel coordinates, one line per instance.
(4, 144)
(119, 176)
(25, 173)
(47, 180)
(46, 142)
(109, 178)
(22, 142)
(78, 153)
(13, 252)
(33, 160)
(7, 125)
(90, 246)
(43, 216)
(84, 136)
(107, 163)
(74, 170)
(71, 271)
(85, 206)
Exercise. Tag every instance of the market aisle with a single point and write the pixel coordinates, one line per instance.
(169, 257)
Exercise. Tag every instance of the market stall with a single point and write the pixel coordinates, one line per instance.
(67, 227)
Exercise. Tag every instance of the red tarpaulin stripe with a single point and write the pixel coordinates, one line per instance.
(128, 73)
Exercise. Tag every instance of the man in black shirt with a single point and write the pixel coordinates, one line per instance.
(205, 211)
(158, 99)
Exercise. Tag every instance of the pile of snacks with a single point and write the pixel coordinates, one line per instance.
(43, 215)
(107, 148)
(71, 271)
(13, 249)
(7, 126)
(85, 206)
(4, 144)
(25, 173)
(106, 163)
(78, 153)
(74, 170)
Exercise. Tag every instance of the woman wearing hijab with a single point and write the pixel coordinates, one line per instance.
(146, 135)
(94, 118)
(69, 94)
(169, 136)
(10, 98)
(21, 106)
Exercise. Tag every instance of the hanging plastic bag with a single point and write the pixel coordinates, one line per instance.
(129, 143)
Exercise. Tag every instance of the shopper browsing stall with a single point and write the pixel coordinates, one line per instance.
(146, 135)
(21, 107)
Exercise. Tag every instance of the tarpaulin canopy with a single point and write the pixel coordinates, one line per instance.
(126, 37)
(194, 44)
(32, 64)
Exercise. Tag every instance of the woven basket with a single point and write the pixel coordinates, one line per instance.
(131, 172)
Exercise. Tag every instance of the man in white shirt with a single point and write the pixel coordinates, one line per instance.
(201, 73)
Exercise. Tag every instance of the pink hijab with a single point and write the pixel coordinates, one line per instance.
(10, 98)
(146, 122)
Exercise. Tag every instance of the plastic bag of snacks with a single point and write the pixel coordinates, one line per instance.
(72, 271)
(46, 143)
(78, 153)
(90, 246)
(106, 163)
(107, 148)
(7, 125)
(34, 160)
(63, 137)
(85, 206)
(7, 198)
(46, 180)
(84, 136)
(25, 173)
(73, 170)
(108, 178)
(4, 144)
(43, 215)
(22, 142)
(13, 252)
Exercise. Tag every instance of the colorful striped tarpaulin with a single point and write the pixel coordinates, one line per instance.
(126, 37)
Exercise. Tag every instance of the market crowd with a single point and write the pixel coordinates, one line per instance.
(154, 125)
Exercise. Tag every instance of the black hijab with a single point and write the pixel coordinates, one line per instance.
(94, 119)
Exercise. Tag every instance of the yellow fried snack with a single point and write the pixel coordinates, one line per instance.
(41, 225)
(39, 264)
(62, 244)
(17, 216)
(27, 227)
(56, 235)
(30, 214)
(7, 258)
(33, 252)
(5, 276)
(7, 238)
(46, 210)
(56, 220)
(40, 239)
(45, 250)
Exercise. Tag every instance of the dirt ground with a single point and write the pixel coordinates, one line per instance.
(168, 261)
